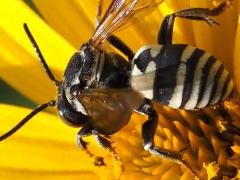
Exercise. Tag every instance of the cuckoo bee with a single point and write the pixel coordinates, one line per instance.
(100, 89)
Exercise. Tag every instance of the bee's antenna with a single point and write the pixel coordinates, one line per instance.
(27, 118)
(40, 56)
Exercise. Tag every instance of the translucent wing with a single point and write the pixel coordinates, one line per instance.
(120, 13)
(109, 109)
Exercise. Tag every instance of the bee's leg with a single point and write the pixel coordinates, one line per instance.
(148, 131)
(121, 46)
(87, 131)
(166, 30)
(225, 124)
(106, 144)
(114, 40)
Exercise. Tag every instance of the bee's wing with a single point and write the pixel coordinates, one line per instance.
(119, 14)
(109, 109)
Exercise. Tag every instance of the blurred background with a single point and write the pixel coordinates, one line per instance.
(10, 96)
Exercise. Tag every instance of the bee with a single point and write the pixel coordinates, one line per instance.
(101, 89)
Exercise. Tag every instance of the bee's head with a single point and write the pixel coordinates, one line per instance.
(80, 73)
(80, 69)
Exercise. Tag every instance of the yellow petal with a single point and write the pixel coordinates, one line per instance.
(43, 149)
(53, 145)
(236, 64)
(19, 66)
(75, 25)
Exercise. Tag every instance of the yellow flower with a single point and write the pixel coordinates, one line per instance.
(45, 147)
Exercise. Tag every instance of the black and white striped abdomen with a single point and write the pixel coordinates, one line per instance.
(180, 76)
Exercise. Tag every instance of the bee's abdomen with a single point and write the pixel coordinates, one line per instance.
(180, 76)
